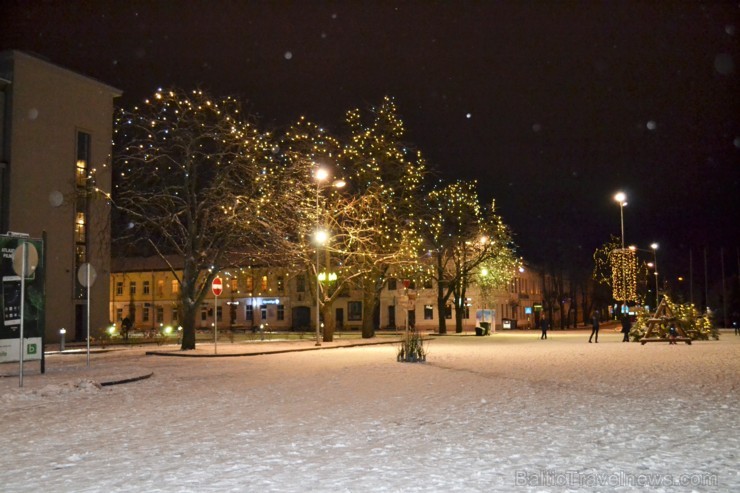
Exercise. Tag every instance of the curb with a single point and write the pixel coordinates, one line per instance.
(262, 353)
(125, 380)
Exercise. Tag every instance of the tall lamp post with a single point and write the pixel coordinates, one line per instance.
(654, 247)
(320, 238)
(621, 198)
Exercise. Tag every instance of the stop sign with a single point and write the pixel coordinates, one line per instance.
(217, 286)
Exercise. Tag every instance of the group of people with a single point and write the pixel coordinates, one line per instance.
(595, 321)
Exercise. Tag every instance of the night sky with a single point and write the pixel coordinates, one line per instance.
(552, 106)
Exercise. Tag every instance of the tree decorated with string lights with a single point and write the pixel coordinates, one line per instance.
(307, 146)
(465, 240)
(617, 268)
(194, 182)
(389, 174)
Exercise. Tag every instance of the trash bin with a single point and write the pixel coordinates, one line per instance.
(486, 326)
(479, 331)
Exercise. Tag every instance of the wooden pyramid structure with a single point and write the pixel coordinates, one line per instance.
(664, 317)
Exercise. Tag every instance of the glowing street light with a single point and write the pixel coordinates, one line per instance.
(621, 198)
(320, 238)
(654, 246)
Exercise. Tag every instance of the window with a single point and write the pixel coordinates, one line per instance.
(145, 287)
(175, 286)
(427, 284)
(448, 312)
(175, 315)
(428, 312)
(80, 254)
(281, 312)
(263, 285)
(263, 312)
(219, 314)
(249, 315)
(354, 310)
(119, 314)
(234, 285)
(80, 221)
(300, 283)
(119, 288)
(83, 158)
(204, 314)
(392, 285)
(145, 314)
(466, 312)
(132, 288)
(250, 284)
(280, 285)
(160, 287)
(160, 314)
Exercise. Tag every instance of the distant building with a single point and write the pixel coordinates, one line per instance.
(146, 292)
(56, 128)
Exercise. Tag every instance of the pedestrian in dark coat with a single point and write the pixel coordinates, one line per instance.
(544, 325)
(595, 330)
(626, 326)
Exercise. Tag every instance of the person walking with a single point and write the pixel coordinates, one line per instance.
(626, 326)
(595, 330)
(544, 325)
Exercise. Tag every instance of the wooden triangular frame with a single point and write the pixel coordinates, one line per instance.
(663, 316)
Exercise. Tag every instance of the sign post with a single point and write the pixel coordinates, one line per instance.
(217, 287)
(86, 275)
(21, 299)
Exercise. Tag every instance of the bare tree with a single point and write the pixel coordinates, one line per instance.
(194, 180)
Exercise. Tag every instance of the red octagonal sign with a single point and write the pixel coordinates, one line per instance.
(217, 286)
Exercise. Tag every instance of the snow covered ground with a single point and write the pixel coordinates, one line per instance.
(502, 413)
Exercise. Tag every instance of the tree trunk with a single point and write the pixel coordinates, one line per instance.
(328, 322)
(188, 314)
(370, 307)
(441, 310)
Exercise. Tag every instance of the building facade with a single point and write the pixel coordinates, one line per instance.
(56, 128)
(146, 291)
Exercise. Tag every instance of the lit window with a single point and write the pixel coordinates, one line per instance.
(428, 312)
(175, 286)
(263, 286)
(80, 227)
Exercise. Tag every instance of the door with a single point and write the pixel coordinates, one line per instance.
(392, 317)
(301, 318)
(339, 317)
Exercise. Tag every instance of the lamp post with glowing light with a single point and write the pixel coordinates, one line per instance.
(654, 247)
(621, 198)
(320, 239)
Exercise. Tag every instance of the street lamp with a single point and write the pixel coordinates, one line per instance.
(320, 238)
(621, 198)
(654, 247)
